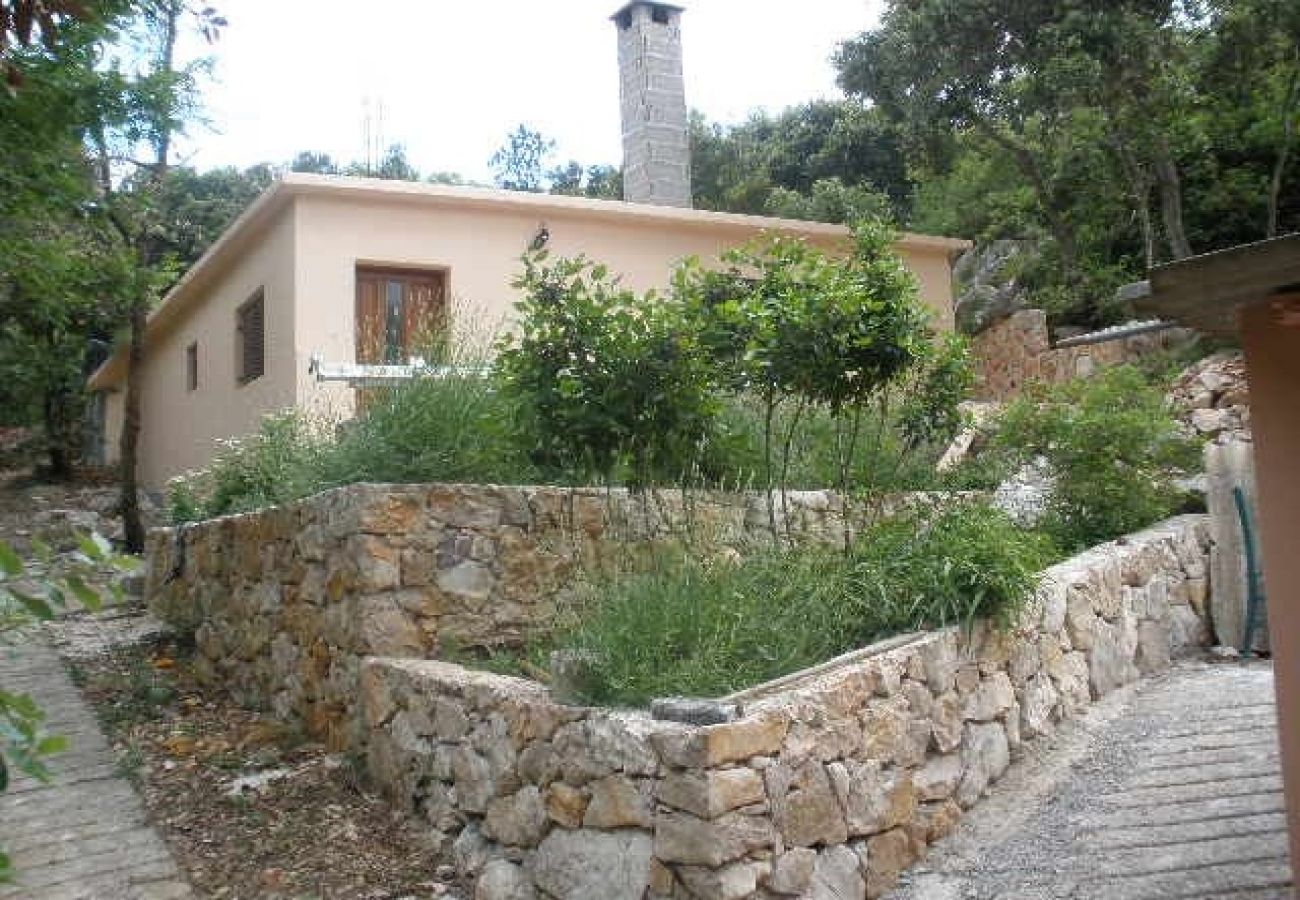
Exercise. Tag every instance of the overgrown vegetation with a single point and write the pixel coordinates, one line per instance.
(1113, 447)
(789, 368)
(689, 626)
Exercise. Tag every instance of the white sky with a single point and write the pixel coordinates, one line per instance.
(454, 76)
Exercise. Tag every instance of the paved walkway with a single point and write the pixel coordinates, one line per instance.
(1167, 789)
(84, 835)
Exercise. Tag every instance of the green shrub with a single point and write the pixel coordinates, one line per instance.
(1113, 445)
(281, 462)
(691, 627)
(605, 380)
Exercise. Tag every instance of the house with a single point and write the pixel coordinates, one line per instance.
(349, 270)
(346, 268)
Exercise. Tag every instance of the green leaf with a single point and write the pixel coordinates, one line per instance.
(4, 786)
(10, 562)
(52, 743)
(83, 592)
(43, 551)
(36, 606)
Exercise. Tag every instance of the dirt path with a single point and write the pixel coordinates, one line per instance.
(1168, 789)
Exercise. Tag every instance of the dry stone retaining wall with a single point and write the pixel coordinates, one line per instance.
(1018, 350)
(827, 786)
(284, 603)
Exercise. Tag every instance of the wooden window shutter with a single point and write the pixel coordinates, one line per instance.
(252, 337)
(192, 367)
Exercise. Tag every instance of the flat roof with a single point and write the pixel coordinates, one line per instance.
(300, 184)
(1207, 291)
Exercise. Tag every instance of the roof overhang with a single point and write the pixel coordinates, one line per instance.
(1207, 292)
(275, 199)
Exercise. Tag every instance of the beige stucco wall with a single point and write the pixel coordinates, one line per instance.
(480, 249)
(181, 427)
(303, 240)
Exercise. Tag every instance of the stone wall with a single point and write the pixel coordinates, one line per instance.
(284, 603)
(826, 786)
(1018, 350)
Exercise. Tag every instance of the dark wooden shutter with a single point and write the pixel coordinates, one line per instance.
(192, 367)
(252, 337)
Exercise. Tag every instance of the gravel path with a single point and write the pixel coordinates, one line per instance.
(1167, 789)
(84, 835)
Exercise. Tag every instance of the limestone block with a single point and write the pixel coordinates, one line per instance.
(504, 880)
(939, 819)
(566, 805)
(518, 820)
(1036, 706)
(873, 799)
(793, 871)
(1052, 593)
(938, 778)
(1110, 664)
(376, 562)
(985, 755)
(888, 855)
(939, 656)
(732, 882)
(1153, 647)
(885, 728)
(683, 838)
(470, 851)
(946, 725)
(385, 630)
(600, 746)
(1080, 618)
(804, 807)
(837, 875)
(710, 794)
(618, 802)
(594, 865)
(992, 699)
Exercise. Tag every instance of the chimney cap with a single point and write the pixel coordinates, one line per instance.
(654, 4)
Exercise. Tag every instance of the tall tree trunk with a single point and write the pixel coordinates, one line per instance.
(1284, 151)
(1171, 200)
(149, 253)
(1139, 182)
(1058, 223)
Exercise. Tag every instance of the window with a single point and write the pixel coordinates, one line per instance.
(400, 313)
(251, 337)
(192, 367)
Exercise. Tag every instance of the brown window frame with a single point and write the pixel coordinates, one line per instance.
(192, 367)
(250, 338)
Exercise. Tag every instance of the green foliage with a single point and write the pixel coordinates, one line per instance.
(1115, 135)
(831, 161)
(696, 628)
(449, 429)
(1112, 444)
(519, 164)
(28, 596)
(604, 379)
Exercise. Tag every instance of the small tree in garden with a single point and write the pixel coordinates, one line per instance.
(792, 324)
(606, 379)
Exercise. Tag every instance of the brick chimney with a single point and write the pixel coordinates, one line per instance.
(656, 144)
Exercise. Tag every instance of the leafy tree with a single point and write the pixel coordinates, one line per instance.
(775, 164)
(572, 179)
(520, 163)
(315, 163)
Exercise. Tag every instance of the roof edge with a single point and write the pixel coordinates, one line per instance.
(301, 184)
